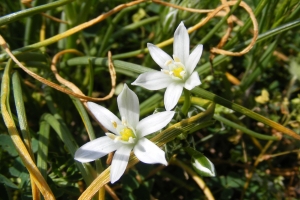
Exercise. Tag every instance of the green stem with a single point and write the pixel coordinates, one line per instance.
(91, 78)
(219, 24)
(31, 11)
(246, 26)
(228, 104)
(187, 102)
(244, 129)
(205, 103)
(43, 148)
(111, 28)
(135, 25)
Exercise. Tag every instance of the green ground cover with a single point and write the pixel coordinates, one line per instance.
(242, 123)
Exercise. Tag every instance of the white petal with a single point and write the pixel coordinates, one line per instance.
(147, 152)
(158, 55)
(192, 81)
(172, 95)
(194, 58)
(128, 104)
(104, 116)
(153, 123)
(119, 162)
(181, 45)
(153, 80)
(95, 149)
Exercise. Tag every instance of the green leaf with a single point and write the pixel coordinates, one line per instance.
(295, 67)
(227, 193)
(234, 180)
(18, 170)
(202, 165)
(7, 144)
(7, 182)
(130, 182)
(34, 144)
(142, 192)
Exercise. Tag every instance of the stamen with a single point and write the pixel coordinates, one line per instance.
(165, 71)
(176, 68)
(124, 121)
(168, 62)
(114, 124)
(182, 73)
(131, 140)
(176, 59)
(118, 138)
(179, 64)
(111, 136)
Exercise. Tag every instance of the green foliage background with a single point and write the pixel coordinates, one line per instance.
(56, 120)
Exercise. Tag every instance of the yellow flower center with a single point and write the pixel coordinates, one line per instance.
(177, 71)
(127, 133)
(176, 68)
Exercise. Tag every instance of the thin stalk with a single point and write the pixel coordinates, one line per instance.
(42, 154)
(91, 78)
(187, 102)
(257, 161)
(200, 182)
(247, 24)
(111, 27)
(20, 147)
(228, 104)
(71, 31)
(31, 11)
(219, 24)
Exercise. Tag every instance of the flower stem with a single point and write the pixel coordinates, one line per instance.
(187, 101)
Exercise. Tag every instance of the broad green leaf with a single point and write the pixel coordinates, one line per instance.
(232, 180)
(7, 144)
(18, 170)
(7, 182)
(295, 67)
(130, 182)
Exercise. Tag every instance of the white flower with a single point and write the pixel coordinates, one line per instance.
(176, 73)
(127, 134)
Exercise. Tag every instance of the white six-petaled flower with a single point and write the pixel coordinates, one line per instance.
(176, 73)
(127, 134)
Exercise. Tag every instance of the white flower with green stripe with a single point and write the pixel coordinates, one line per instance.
(177, 72)
(125, 135)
